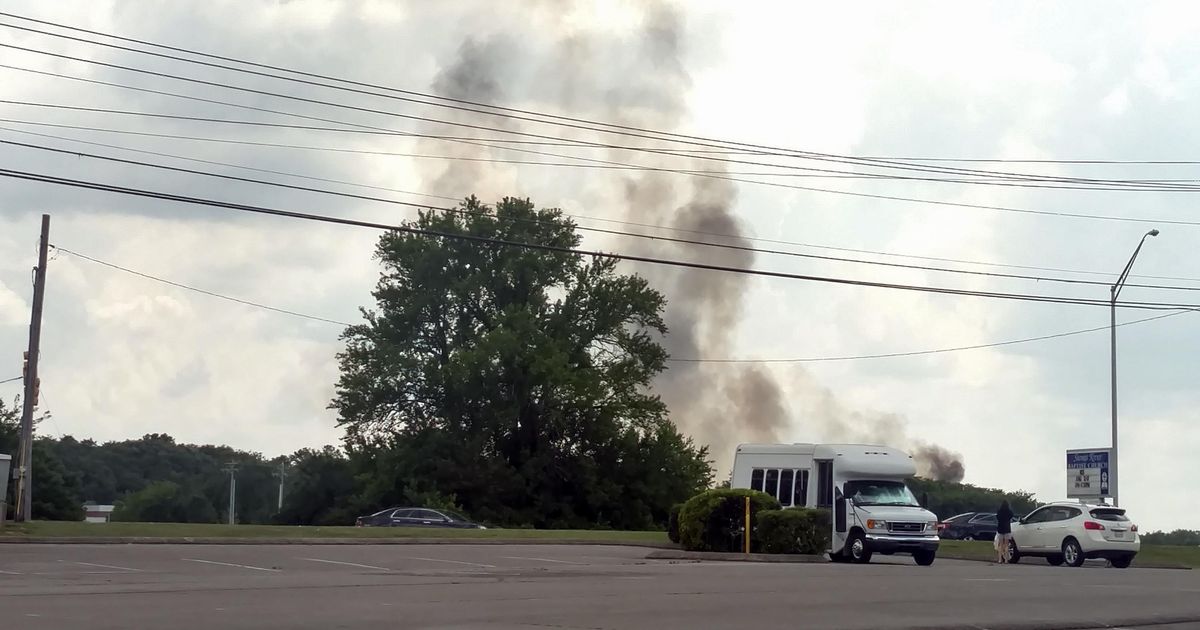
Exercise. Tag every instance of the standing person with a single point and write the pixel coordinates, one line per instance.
(1003, 532)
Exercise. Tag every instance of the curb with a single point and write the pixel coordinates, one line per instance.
(139, 540)
(675, 554)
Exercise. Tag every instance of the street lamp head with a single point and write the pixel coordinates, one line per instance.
(1152, 233)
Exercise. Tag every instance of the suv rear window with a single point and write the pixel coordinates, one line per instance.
(1110, 515)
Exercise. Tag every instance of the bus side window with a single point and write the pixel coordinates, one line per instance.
(800, 494)
(786, 478)
(756, 479)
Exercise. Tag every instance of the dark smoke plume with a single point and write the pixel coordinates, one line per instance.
(639, 78)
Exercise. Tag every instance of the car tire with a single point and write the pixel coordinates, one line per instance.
(1072, 553)
(1055, 560)
(1122, 562)
(856, 548)
(1014, 554)
(924, 558)
(838, 558)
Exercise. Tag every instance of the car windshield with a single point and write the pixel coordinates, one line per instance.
(880, 493)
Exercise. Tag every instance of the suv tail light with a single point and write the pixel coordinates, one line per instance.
(1133, 529)
(1093, 525)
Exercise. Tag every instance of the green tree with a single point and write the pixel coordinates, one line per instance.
(55, 488)
(165, 502)
(320, 489)
(513, 381)
(946, 498)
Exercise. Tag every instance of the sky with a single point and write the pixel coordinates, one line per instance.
(124, 355)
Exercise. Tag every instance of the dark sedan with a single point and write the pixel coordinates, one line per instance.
(416, 517)
(970, 526)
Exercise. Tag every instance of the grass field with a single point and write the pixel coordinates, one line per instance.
(62, 529)
(1150, 556)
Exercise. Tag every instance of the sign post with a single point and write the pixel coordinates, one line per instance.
(1088, 473)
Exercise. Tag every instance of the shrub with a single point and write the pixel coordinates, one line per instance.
(794, 530)
(673, 522)
(714, 519)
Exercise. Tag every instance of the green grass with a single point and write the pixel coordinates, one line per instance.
(1150, 555)
(61, 529)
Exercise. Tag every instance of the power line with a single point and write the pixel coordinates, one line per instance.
(10, 380)
(925, 352)
(1113, 185)
(1060, 214)
(585, 228)
(673, 360)
(602, 219)
(458, 158)
(500, 111)
(198, 290)
(226, 164)
(408, 229)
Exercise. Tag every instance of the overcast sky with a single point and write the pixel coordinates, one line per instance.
(125, 356)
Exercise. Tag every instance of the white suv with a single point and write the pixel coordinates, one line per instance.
(1072, 532)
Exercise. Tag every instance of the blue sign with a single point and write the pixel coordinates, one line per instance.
(1088, 473)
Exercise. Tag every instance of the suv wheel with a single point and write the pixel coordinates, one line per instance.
(1122, 562)
(1072, 553)
(1055, 560)
(1014, 555)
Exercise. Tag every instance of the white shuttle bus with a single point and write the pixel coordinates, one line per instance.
(873, 510)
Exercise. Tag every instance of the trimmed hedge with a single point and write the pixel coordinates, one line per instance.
(794, 530)
(673, 522)
(715, 519)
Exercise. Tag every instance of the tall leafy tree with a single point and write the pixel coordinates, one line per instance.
(55, 487)
(320, 489)
(514, 381)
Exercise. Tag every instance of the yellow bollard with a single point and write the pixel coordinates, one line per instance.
(747, 536)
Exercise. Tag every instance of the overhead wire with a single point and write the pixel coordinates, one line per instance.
(618, 233)
(1112, 185)
(686, 264)
(454, 103)
(669, 359)
(1026, 211)
(891, 355)
(10, 380)
(591, 218)
(180, 285)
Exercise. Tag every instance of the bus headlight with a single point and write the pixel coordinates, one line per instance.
(876, 524)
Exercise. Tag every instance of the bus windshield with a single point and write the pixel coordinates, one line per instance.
(880, 493)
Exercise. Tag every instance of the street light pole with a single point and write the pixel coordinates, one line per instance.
(1115, 291)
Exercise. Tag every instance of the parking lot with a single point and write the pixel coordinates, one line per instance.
(557, 586)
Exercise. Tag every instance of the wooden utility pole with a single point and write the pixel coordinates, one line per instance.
(29, 402)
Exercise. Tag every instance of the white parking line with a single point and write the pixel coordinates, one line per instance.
(543, 560)
(103, 566)
(230, 564)
(470, 564)
(987, 580)
(349, 564)
(10, 573)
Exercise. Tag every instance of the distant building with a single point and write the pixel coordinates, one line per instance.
(97, 513)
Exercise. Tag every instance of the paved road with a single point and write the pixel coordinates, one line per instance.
(509, 587)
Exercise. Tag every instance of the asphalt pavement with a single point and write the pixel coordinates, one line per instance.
(509, 587)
